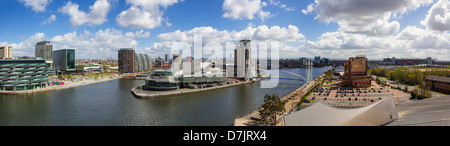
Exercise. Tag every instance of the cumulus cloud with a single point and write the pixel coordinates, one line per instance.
(96, 15)
(36, 5)
(244, 9)
(103, 43)
(363, 16)
(138, 34)
(26, 47)
(100, 44)
(438, 17)
(145, 14)
(411, 42)
(209, 34)
(281, 5)
(49, 20)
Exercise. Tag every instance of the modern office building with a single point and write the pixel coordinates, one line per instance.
(126, 60)
(23, 74)
(64, 60)
(44, 50)
(243, 65)
(5, 52)
(166, 58)
(355, 72)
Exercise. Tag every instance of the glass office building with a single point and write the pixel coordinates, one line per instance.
(24, 74)
(64, 60)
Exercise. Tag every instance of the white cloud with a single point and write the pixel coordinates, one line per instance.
(411, 42)
(309, 9)
(244, 9)
(281, 5)
(210, 34)
(364, 16)
(138, 34)
(103, 43)
(96, 16)
(26, 47)
(49, 20)
(145, 14)
(438, 17)
(36, 5)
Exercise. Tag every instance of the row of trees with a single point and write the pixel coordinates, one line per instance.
(408, 76)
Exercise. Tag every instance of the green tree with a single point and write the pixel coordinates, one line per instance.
(272, 107)
(421, 92)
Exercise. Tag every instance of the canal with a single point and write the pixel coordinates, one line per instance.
(111, 103)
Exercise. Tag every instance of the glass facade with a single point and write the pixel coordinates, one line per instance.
(153, 83)
(18, 75)
(71, 60)
(64, 60)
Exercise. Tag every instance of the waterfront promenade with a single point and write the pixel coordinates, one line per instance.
(145, 94)
(68, 84)
(291, 99)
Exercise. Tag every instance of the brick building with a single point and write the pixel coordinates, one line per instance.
(355, 72)
(126, 61)
(438, 83)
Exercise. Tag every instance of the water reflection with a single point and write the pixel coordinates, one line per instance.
(111, 103)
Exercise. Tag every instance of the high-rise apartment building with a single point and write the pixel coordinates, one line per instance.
(243, 65)
(6, 52)
(130, 62)
(44, 50)
(126, 60)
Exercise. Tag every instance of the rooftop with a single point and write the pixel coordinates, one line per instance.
(438, 78)
(428, 112)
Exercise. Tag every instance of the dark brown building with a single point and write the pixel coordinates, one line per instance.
(126, 61)
(438, 83)
(355, 73)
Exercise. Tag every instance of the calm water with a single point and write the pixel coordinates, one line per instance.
(111, 103)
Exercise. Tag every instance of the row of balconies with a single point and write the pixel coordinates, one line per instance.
(21, 78)
(23, 65)
(16, 82)
(24, 69)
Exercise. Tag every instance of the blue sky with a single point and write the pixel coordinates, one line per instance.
(332, 30)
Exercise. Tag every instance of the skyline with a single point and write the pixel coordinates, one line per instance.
(98, 29)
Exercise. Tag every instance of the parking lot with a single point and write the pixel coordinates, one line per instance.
(356, 97)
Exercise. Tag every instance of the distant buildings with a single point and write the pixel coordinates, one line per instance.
(6, 52)
(143, 62)
(318, 60)
(355, 72)
(438, 83)
(166, 59)
(44, 49)
(64, 60)
(397, 61)
(130, 62)
(23, 74)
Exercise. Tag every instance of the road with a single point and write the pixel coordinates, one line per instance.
(402, 86)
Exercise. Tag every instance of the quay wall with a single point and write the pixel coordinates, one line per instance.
(292, 98)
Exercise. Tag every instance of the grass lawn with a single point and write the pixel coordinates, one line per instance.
(306, 97)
